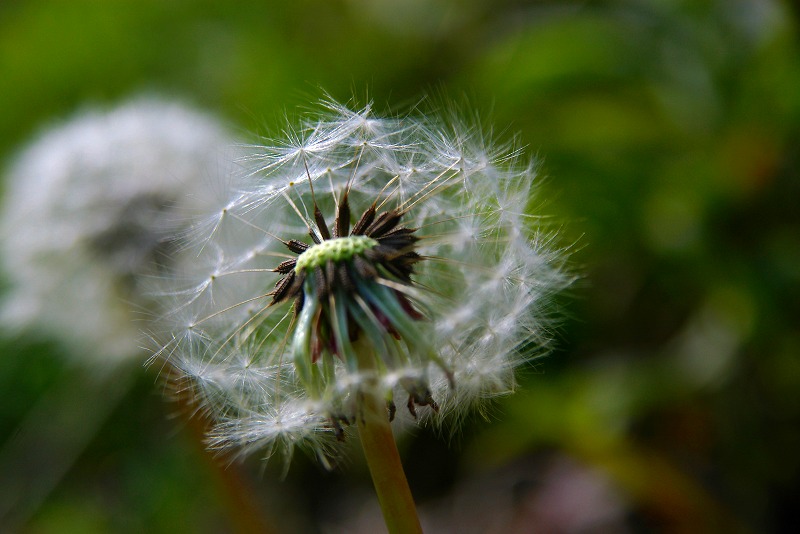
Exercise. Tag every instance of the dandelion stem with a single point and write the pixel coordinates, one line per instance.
(383, 459)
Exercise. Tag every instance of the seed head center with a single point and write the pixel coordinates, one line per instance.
(336, 250)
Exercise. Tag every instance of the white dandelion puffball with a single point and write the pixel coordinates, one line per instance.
(86, 207)
(359, 253)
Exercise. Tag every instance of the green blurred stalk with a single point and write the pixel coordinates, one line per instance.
(383, 458)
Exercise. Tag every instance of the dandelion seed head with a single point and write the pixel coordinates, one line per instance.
(360, 252)
(88, 204)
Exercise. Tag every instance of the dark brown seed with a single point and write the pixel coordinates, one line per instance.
(366, 219)
(322, 283)
(298, 247)
(342, 221)
(330, 272)
(364, 268)
(285, 267)
(282, 288)
(323, 227)
(402, 231)
(384, 223)
(343, 279)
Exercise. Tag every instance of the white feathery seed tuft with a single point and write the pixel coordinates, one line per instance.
(88, 205)
(448, 315)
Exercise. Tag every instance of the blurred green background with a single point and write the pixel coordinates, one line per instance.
(669, 136)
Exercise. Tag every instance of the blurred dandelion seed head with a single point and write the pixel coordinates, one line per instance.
(404, 237)
(87, 207)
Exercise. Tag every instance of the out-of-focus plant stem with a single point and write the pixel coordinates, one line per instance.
(383, 458)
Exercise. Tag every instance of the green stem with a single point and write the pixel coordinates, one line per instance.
(383, 459)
